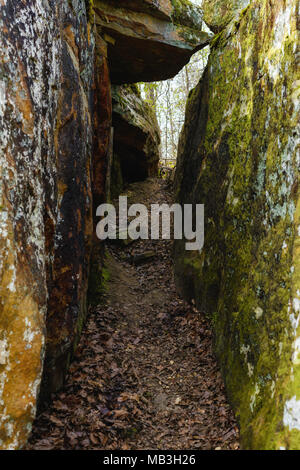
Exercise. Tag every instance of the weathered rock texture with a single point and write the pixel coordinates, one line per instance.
(102, 122)
(239, 155)
(55, 137)
(218, 13)
(136, 137)
(149, 40)
(69, 225)
(46, 60)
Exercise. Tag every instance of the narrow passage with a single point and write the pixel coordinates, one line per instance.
(144, 375)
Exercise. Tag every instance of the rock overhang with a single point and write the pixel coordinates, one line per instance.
(149, 41)
(136, 133)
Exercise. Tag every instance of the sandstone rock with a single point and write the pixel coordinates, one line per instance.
(25, 122)
(136, 134)
(142, 258)
(161, 9)
(151, 40)
(69, 223)
(239, 155)
(46, 71)
(218, 13)
(55, 112)
(102, 123)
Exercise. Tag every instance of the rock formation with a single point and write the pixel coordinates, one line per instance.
(46, 62)
(55, 121)
(239, 155)
(149, 40)
(136, 137)
(218, 13)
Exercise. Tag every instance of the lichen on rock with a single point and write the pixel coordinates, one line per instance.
(136, 135)
(151, 40)
(26, 117)
(46, 73)
(239, 155)
(217, 14)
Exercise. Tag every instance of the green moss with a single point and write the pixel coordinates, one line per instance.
(215, 40)
(186, 14)
(237, 159)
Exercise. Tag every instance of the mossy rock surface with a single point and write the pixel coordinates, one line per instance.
(219, 13)
(238, 156)
(136, 137)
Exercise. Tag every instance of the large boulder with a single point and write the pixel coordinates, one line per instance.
(136, 136)
(46, 77)
(218, 13)
(149, 40)
(55, 147)
(239, 155)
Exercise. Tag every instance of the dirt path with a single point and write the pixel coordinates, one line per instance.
(144, 376)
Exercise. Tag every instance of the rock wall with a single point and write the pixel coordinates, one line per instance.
(69, 226)
(149, 40)
(46, 78)
(55, 141)
(239, 155)
(102, 122)
(136, 137)
(218, 13)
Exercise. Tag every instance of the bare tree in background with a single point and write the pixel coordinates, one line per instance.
(168, 99)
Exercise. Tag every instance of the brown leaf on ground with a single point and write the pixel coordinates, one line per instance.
(144, 375)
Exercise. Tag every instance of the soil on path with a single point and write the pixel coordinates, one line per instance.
(144, 375)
